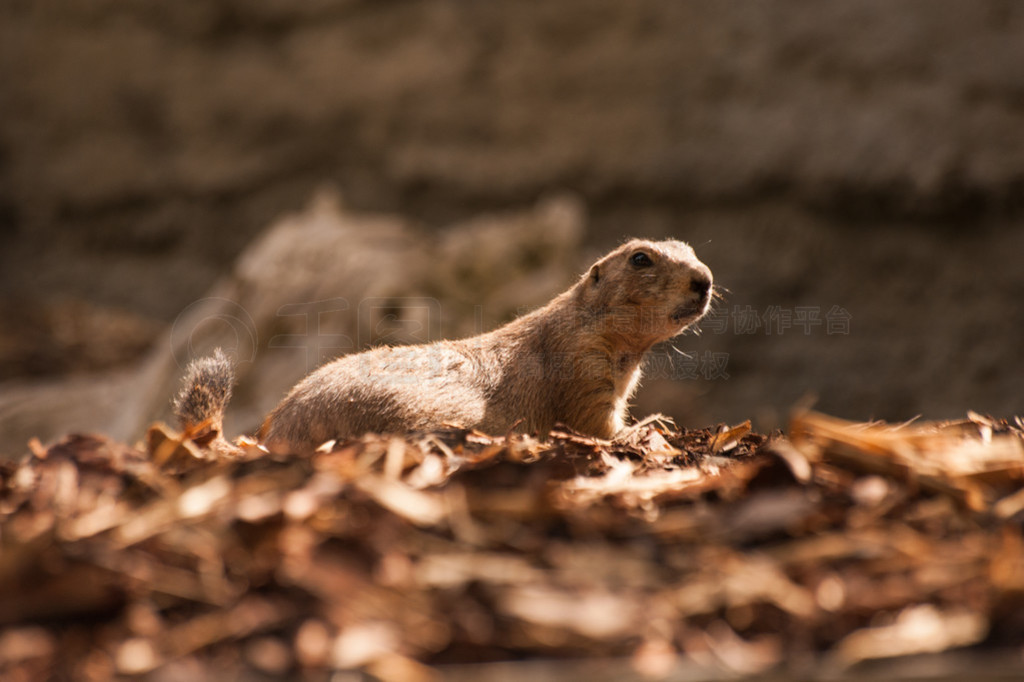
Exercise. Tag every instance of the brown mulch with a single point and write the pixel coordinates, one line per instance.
(396, 556)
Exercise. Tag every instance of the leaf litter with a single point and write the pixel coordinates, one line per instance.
(401, 556)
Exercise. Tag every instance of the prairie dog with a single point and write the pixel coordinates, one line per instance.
(575, 361)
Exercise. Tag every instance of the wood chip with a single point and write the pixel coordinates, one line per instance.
(393, 556)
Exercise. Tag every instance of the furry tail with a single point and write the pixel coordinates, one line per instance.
(205, 393)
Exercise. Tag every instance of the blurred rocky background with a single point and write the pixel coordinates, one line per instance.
(174, 175)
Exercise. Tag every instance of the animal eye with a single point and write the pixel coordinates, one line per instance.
(641, 260)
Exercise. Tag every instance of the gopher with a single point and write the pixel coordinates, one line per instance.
(575, 361)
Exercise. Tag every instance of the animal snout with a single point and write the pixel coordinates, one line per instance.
(701, 285)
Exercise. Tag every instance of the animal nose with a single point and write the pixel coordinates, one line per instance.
(700, 285)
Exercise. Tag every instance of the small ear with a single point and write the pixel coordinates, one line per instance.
(595, 274)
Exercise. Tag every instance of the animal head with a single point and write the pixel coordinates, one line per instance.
(646, 291)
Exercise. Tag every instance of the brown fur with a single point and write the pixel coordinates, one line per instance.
(575, 361)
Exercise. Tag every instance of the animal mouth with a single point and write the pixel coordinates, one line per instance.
(689, 312)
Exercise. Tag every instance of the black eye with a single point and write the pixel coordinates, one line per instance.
(641, 260)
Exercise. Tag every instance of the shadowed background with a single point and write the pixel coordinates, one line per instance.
(864, 160)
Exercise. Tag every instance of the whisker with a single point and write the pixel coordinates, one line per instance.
(688, 356)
